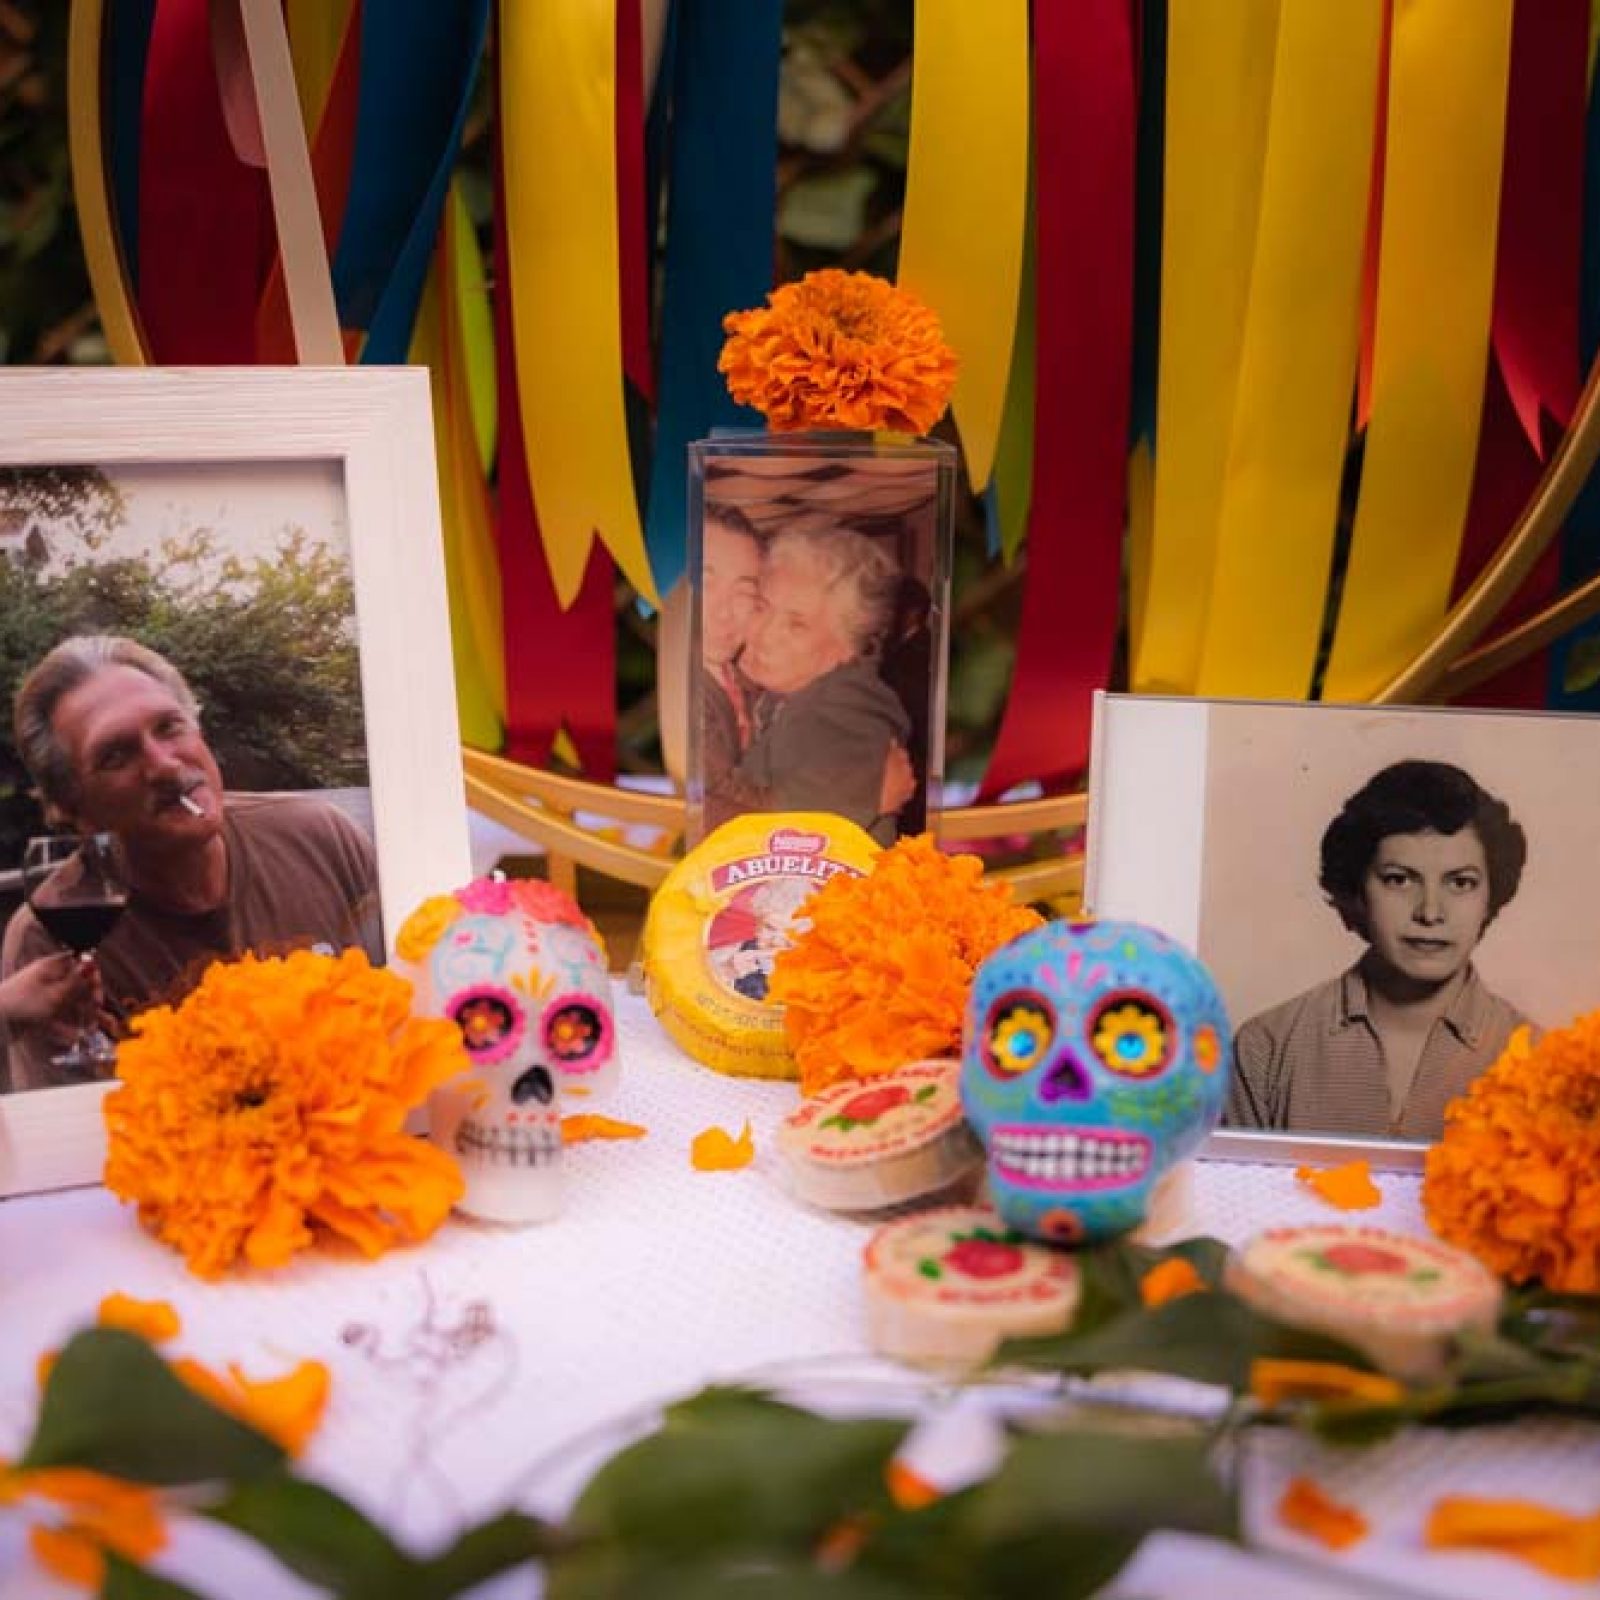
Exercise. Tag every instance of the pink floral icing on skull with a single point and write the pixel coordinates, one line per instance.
(519, 968)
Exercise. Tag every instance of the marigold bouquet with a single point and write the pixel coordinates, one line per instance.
(272, 1102)
(881, 977)
(839, 350)
(1515, 1178)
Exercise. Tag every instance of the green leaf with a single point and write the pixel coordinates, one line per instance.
(126, 1581)
(489, 1549)
(729, 1470)
(1582, 668)
(112, 1404)
(732, 1575)
(1208, 1337)
(316, 1534)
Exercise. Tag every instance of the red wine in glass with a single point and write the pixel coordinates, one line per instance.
(75, 886)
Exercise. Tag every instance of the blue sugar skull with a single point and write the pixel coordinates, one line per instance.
(1095, 1058)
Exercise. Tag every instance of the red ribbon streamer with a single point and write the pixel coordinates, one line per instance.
(560, 665)
(1535, 323)
(1083, 128)
(633, 248)
(197, 301)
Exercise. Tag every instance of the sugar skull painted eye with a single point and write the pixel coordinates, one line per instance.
(491, 1021)
(577, 1034)
(1018, 1033)
(1132, 1034)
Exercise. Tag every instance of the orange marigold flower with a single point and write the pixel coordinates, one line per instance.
(1172, 1279)
(1349, 1187)
(91, 1513)
(1308, 1509)
(839, 350)
(881, 976)
(1515, 1179)
(272, 1103)
(1555, 1541)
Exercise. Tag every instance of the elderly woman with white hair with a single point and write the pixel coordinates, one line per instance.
(826, 722)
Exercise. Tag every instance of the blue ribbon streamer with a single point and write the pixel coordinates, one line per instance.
(127, 47)
(721, 198)
(1580, 543)
(1149, 161)
(418, 62)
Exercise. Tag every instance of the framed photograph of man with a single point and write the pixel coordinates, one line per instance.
(1383, 894)
(820, 572)
(230, 706)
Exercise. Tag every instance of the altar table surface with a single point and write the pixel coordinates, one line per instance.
(498, 1367)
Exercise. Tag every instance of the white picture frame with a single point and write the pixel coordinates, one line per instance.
(375, 425)
(1206, 819)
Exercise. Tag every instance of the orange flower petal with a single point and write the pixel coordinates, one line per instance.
(1349, 1187)
(154, 1320)
(288, 1409)
(584, 1125)
(1169, 1280)
(1274, 1381)
(908, 1489)
(69, 1555)
(1555, 1541)
(716, 1150)
(1308, 1510)
(96, 1512)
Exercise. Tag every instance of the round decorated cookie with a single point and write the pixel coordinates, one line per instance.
(1400, 1299)
(861, 1146)
(720, 917)
(946, 1287)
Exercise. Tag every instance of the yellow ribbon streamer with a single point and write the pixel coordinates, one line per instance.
(316, 30)
(474, 323)
(481, 721)
(557, 113)
(1219, 88)
(1448, 72)
(108, 277)
(469, 364)
(1285, 458)
(966, 196)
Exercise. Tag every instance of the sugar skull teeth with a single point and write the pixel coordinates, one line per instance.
(1067, 1158)
(512, 1147)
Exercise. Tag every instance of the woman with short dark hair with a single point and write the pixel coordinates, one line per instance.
(1418, 862)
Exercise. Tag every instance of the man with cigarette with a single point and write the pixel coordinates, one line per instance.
(110, 732)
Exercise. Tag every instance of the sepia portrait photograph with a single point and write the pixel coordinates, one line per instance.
(820, 610)
(183, 767)
(1385, 896)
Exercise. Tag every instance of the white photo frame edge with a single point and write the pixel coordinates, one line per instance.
(377, 423)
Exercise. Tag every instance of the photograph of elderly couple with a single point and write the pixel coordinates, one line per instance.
(183, 771)
(820, 621)
(1386, 896)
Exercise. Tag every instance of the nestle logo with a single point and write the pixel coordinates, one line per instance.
(788, 842)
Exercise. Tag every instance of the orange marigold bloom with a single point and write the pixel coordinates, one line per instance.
(1515, 1178)
(882, 975)
(839, 350)
(272, 1102)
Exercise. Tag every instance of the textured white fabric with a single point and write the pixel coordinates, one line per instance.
(499, 1366)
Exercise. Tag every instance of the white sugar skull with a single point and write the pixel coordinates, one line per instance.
(519, 969)
(1095, 1059)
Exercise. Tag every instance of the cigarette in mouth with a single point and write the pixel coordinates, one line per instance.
(192, 807)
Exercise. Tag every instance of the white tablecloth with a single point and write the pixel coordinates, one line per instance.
(497, 1367)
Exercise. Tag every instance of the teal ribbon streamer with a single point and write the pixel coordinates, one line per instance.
(418, 62)
(1577, 657)
(127, 43)
(721, 196)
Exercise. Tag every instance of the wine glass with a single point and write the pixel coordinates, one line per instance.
(76, 887)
